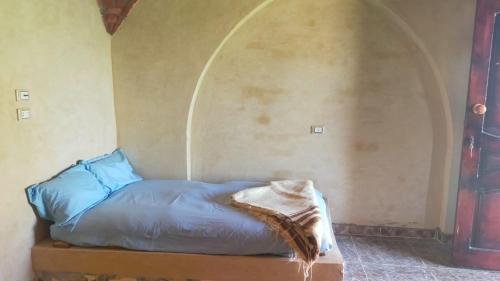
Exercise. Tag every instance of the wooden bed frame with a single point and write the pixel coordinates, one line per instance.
(51, 257)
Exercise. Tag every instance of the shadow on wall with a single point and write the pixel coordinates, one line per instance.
(342, 64)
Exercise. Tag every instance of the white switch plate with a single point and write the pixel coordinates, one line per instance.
(23, 113)
(317, 130)
(22, 95)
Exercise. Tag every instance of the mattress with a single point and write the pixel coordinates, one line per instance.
(178, 216)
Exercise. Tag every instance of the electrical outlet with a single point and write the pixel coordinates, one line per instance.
(23, 113)
(22, 95)
(317, 130)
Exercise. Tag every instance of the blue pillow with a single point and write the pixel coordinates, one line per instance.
(113, 170)
(66, 195)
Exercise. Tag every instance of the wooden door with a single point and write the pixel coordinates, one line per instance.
(477, 227)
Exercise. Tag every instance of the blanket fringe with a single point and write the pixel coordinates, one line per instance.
(291, 210)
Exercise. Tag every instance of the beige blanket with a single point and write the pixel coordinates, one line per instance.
(290, 208)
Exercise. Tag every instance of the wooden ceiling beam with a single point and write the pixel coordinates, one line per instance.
(114, 12)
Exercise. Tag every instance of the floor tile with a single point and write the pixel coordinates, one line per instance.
(396, 273)
(347, 248)
(458, 274)
(432, 252)
(492, 275)
(354, 272)
(391, 259)
(386, 251)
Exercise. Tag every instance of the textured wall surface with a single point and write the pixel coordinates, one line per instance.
(59, 51)
(387, 78)
(372, 71)
(446, 29)
(158, 55)
(341, 64)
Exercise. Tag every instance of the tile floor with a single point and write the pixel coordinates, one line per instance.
(401, 259)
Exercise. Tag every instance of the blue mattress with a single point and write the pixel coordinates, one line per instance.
(177, 216)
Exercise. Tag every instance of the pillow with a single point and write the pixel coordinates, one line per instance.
(66, 195)
(113, 170)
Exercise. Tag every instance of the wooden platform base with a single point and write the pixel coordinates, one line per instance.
(175, 266)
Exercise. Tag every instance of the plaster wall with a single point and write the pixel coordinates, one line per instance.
(158, 55)
(446, 28)
(387, 78)
(59, 51)
(341, 64)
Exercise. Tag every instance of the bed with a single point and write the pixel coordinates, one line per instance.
(178, 230)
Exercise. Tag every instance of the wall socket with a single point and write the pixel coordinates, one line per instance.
(22, 95)
(23, 113)
(317, 130)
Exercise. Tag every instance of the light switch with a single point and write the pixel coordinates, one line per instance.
(23, 113)
(317, 130)
(22, 95)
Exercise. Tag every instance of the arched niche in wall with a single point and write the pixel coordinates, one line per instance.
(347, 65)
